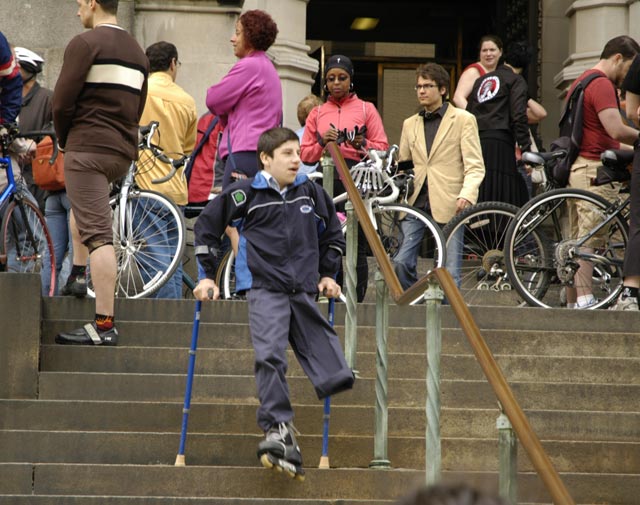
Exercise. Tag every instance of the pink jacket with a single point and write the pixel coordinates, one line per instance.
(349, 112)
(248, 101)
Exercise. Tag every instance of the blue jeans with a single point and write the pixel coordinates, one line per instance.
(406, 259)
(56, 214)
(157, 236)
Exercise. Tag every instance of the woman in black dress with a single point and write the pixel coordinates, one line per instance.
(499, 102)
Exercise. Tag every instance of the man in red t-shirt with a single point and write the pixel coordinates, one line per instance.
(603, 128)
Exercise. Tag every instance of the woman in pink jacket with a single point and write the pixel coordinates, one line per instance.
(344, 110)
(248, 100)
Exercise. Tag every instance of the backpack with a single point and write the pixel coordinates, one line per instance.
(570, 139)
(48, 173)
(199, 169)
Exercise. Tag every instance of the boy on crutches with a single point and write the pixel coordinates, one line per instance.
(290, 249)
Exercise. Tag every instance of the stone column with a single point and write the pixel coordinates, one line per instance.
(591, 25)
(554, 51)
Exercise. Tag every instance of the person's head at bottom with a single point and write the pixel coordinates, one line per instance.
(279, 154)
(444, 494)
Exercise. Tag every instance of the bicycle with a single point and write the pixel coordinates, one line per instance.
(381, 187)
(544, 257)
(143, 222)
(25, 237)
(483, 227)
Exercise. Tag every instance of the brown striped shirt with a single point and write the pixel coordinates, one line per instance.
(101, 91)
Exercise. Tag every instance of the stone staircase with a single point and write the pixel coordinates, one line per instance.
(85, 426)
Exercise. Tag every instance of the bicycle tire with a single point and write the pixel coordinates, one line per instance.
(226, 276)
(27, 252)
(433, 249)
(542, 269)
(142, 270)
(483, 274)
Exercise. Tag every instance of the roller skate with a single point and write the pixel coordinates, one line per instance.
(279, 451)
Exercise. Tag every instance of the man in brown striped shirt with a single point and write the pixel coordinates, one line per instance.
(97, 103)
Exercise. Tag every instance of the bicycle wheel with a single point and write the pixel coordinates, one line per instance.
(546, 260)
(26, 241)
(226, 276)
(431, 252)
(149, 245)
(482, 271)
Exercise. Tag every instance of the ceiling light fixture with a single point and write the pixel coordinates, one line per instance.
(364, 23)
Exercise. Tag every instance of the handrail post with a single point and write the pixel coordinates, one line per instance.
(328, 168)
(381, 421)
(508, 460)
(350, 282)
(433, 451)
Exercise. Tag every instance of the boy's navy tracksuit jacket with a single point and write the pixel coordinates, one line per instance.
(285, 241)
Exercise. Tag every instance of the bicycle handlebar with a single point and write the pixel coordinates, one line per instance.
(147, 132)
(12, 132)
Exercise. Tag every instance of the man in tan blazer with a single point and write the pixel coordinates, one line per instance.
(442, 145)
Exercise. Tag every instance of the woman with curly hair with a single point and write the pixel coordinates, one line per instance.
(248, 100)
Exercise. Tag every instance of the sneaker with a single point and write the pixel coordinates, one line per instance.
(628, 303)
(280, 441)
(587, 305)
(75, 287)
(89, 334)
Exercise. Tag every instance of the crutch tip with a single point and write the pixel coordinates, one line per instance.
(324, 462)
(179, 460)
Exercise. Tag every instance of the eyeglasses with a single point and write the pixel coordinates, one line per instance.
(419, 87)
(178, 62)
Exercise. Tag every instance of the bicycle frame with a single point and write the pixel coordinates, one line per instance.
(613, 211)
(11, 186)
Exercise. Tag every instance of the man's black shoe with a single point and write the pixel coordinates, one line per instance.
(89, 334)
(75, 287)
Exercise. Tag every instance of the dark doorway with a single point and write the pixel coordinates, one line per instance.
(453, 27)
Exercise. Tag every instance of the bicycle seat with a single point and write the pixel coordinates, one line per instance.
(617, 158)
(541, 158)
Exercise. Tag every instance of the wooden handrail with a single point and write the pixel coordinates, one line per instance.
(529, 440)
(386, 268)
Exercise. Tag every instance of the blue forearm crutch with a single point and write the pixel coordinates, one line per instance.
(187, 394)
(324, 458)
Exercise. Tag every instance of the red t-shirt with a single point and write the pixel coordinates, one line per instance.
(599, 95)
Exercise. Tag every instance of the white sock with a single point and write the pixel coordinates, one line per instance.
(585, 300)
(571, 305)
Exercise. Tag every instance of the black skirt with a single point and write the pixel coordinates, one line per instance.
(502, 181)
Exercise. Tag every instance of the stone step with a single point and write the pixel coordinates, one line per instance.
(512, 318)
(400, 339)
(223, 449)
(402, 392)
(333, 484)
(211, 418)
(133, 500)
(401, 365)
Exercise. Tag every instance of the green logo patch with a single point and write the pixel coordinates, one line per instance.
(239, 197)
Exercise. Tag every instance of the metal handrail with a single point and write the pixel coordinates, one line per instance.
(529, 440)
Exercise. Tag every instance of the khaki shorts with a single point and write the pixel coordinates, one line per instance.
(582, 216)
(87, 178)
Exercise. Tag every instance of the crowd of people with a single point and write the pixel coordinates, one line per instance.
(283, 227)
(462, 152)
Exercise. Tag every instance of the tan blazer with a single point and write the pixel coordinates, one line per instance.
(455, 167)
